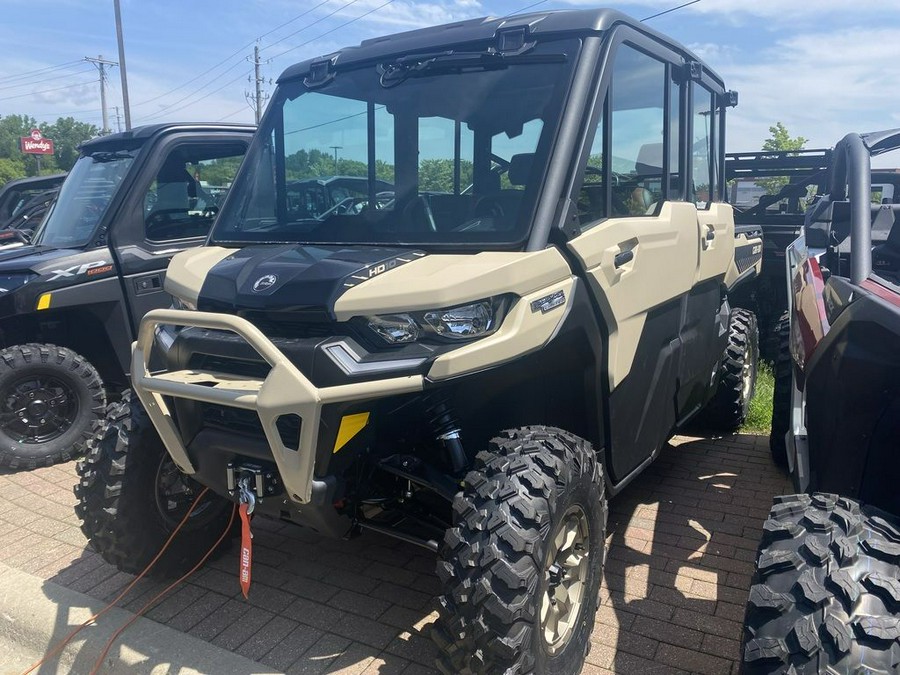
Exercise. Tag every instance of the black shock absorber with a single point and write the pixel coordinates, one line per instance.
(446, 430)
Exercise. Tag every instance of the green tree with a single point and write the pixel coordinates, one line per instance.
(67, 134)
(10, 169)
(437, 174)
(779, 141)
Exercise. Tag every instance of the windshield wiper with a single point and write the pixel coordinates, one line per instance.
(104, 157)
(397, 72)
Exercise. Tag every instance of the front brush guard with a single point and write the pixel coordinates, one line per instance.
(284, 391)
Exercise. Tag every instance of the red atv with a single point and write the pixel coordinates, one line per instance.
(826, 594)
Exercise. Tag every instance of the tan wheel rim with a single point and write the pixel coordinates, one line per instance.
(565, 578)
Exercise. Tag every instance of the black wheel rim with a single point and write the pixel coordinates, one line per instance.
(38, 409)
(175, 492)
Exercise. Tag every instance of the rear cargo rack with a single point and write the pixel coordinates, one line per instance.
(284, 391)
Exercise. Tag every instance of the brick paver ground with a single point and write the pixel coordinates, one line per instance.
(682, 539)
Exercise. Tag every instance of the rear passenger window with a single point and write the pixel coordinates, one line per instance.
(189, 188)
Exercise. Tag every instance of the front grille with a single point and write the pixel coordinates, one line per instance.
(292, 325)
(232, 419)
(223, 364)
(247, 422)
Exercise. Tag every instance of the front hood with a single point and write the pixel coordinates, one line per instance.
(294, 278)
(30, 258)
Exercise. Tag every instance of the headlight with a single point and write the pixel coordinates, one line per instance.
(464, 322)
(395, 328)
(10, 282)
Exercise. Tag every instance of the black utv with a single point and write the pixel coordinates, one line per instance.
(71, 300)
(472, 363)
(24, 201)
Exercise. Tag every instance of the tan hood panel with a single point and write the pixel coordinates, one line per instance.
(188, 271)
(524, 330)
(438, 281)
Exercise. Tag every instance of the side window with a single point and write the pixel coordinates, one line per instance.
(188, 190)
(703, 155)
(591, 202)
(637, 103)
(636, 117)
(676, 189)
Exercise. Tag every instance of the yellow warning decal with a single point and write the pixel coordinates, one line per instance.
(350, 426)
(44, 301)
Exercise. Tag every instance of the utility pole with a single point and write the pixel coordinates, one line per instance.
(257, 100)
(101, 64)
(336, 148)
(118, 121)
(121, 42)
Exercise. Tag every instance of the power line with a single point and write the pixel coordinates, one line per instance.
(667, 11)
(337, 28)
(28, 83)
(232, 114)
(171, 107)
(229, 57)
(46, 91)
(205, 96)
(522, 9)
(310, 25)
(165, 108)
(29, 73)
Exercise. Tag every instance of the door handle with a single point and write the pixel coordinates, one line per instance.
(710, 234)
(148, 284)
(623, 258)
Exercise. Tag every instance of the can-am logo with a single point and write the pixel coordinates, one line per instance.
(264, 283)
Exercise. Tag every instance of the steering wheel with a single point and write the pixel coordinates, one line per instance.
(489, 207)
(420, 200)
(161, 216)
(617, 178)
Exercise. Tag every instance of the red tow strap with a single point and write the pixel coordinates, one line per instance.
(246, 550)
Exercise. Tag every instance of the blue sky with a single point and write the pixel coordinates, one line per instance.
(823, 68)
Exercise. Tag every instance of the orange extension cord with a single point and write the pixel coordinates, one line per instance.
(62, 644)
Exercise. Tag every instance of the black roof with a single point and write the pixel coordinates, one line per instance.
(140, 135)
(878, 142)
(38, 182)
(548, 24)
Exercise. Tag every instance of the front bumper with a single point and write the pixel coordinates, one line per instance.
(284, 391)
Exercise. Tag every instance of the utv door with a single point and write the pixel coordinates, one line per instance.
(172, 207)
(641, 250)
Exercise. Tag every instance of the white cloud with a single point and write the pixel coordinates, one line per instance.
(820, 85)
(735, 11)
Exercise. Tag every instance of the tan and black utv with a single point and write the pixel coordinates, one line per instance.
(467, 283)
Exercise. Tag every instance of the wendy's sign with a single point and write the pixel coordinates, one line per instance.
(36, 144)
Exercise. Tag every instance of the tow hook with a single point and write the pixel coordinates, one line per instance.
(246, 494)
(255, 480)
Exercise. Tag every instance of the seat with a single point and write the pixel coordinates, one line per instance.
(886, 256)
(176, 196)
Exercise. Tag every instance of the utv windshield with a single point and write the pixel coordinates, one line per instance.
(447, 148)
(83, 199)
